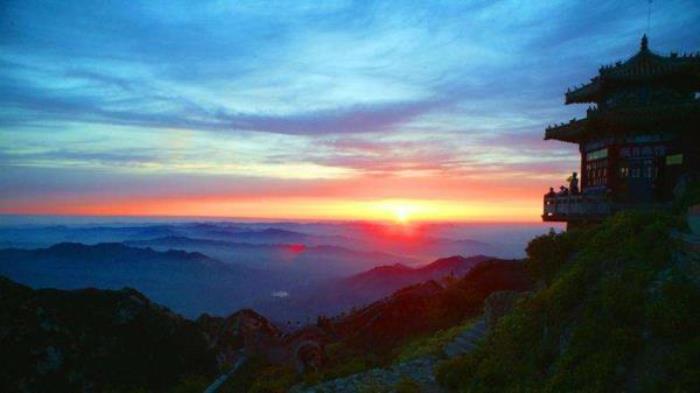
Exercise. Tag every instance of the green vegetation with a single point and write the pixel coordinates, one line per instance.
(345, 360)
(259, 376)
(617, 311)
(407, 385)
(390, 332)
(690, 197)
(97, 340)
(193, 384)
(374, 386)
(430, 344)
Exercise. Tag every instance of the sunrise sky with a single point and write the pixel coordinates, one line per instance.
(321, 109)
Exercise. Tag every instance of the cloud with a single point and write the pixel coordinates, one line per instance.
(340, 97)
(187, 115)
(341, 68)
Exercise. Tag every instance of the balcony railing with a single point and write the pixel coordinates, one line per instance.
(576, 207)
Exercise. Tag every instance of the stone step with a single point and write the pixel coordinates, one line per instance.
(453, 349)
(463, 341)
(467, 340)
(471, 335)
(420, 370)
(479, 327)
(451, 352)
(468, 346)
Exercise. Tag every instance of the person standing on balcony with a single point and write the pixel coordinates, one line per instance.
(573, 184)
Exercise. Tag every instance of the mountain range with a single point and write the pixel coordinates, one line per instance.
(192, 283)
(109, 340)
(188, 282)
(419, 245)
(309, 262)
(336, 296)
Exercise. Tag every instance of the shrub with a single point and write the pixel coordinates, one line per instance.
(674, 314)
(546, 254)
(615, 312)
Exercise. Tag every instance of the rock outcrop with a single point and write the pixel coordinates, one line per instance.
(93, 340)
(247, 333)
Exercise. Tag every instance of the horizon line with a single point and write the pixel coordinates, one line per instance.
(265, 219)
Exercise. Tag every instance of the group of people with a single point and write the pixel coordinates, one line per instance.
(572, 190)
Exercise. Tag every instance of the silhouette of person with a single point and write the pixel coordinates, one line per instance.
(573, 183)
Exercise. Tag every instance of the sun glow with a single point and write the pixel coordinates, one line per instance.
(402, 213)
(406, 212)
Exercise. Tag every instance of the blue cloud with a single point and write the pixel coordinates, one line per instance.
(348, 67)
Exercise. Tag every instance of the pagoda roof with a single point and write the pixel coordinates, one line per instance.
(643, 66)
(663, 118)
(573, 131)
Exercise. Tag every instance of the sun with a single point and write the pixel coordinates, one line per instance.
(402, 214)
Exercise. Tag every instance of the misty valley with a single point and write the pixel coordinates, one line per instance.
(289, 272)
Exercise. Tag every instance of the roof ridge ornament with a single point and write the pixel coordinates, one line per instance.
(644, 47)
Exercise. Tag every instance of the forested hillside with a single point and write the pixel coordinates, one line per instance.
(618, 310)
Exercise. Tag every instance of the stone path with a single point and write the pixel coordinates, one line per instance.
(467, 340)
(420, 370)
(224, 377)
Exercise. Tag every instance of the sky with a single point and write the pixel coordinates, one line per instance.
(304, 109)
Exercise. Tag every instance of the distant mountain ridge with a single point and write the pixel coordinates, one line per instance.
(382, 280)
(188, 282)
(365, 238)
(111, 252)
(183, 241)
(340, 295)
(426, 305)
(308, 261)
(117, 250)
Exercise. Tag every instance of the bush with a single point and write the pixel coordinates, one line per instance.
(615, 312)
(546, 254)
(674, 315)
